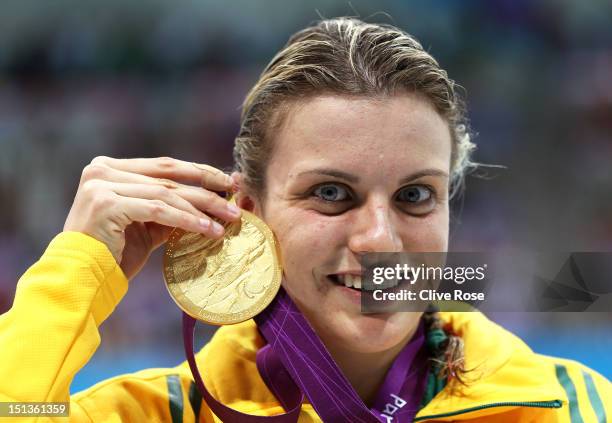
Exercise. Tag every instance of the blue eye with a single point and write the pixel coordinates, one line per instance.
(414, 194)
(331, 192)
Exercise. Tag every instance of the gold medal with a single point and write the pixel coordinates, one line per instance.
(227, 280)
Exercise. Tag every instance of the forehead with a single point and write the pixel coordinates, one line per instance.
(399, 131)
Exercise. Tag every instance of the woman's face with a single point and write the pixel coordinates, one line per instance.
(349, 176)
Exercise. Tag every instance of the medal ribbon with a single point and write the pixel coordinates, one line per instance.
(295, 362)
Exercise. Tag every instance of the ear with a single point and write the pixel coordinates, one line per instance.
(244, 199)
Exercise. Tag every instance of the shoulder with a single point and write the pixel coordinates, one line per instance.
(588, 390)
(151, 394)
(502, 363)
(227, 364)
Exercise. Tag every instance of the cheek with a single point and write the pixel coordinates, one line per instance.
(306, 239)
(428, 234)
(324, 234)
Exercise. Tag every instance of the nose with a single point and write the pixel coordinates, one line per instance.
(375, 230)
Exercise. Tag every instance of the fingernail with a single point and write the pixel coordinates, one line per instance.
(233, 209)
(217, 229)
(205, 223)
(228, 180)
(235, 185)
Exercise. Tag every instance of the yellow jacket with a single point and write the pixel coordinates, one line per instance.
(51, 332)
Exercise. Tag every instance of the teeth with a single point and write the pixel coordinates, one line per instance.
(354, 281)
(350, 281)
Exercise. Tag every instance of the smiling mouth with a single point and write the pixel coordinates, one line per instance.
(355, 282)
(349, 281)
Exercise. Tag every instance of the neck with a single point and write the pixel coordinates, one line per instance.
(366, 372)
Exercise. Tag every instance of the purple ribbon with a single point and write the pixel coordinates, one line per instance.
(295, 362)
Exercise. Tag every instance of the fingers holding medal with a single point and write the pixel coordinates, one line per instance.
(132, 205)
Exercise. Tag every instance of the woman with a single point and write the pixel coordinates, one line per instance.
(352, 141)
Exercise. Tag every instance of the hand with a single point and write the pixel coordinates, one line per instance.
(132, 205)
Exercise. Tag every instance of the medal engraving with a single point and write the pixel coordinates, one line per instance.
(223, 281)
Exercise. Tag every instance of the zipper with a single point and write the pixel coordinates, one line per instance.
(535, 404)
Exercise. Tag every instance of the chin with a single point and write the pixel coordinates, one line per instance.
(372, 333)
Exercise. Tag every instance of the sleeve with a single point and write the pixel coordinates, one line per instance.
(599, 394)
(588, 393)
(51, 330)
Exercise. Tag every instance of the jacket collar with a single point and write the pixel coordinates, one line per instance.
(503, 370)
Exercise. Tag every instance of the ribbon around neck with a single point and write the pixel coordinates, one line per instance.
(295, 363)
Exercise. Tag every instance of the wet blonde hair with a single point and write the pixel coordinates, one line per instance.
(348, 57)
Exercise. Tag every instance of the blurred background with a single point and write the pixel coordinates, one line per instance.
(127, 78)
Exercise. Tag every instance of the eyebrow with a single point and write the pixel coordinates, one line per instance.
(355, 179)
